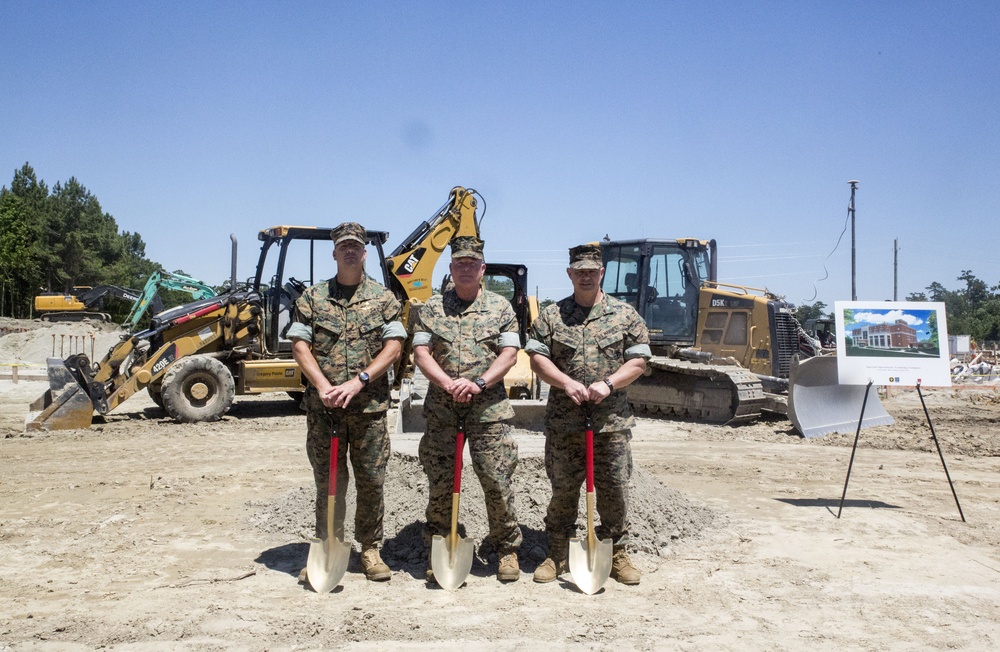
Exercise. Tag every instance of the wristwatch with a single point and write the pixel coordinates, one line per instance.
(611, 386)
(364, 378)
(480, 383)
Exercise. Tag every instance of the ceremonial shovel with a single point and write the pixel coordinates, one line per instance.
(590, 559)
(327, 561)
(451, 557)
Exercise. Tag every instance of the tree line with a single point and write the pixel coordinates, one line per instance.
(55, 240)
(970, 310)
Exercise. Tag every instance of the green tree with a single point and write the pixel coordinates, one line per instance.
(53, 241)
(22, 220)
(809, 311)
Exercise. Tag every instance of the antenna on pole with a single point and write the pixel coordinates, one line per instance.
(854, 278)
(895, 269)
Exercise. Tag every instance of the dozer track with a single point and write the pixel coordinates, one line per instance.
(700, 391)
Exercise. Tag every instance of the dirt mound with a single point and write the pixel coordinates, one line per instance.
(30, 342)
(658, 514)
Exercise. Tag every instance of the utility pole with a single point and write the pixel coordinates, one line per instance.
(895, 269)
(854, 258)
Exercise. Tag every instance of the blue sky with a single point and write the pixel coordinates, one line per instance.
(737, 121)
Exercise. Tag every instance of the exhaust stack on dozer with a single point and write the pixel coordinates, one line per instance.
(818, 405)
(63, 406)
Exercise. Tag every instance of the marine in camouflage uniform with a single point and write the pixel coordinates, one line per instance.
(346, 333)
(590, 346)
(465, 346)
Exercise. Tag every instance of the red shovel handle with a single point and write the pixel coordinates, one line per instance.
(459, 447)
(590, 457)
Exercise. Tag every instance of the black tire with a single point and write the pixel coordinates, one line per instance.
(156, 393)
(198, 388)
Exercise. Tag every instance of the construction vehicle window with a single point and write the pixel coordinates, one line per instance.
(715, 324)
(666, 272)
(501, 285)
(621, 271)
(736, 333)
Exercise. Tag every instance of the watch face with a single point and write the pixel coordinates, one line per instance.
(363, 377)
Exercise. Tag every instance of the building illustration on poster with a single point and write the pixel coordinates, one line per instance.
(892, 343)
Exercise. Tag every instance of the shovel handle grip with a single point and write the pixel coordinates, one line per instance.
(459, 447)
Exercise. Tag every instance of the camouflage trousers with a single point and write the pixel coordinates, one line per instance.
(494, 458)
(566, 467)
(365, 439)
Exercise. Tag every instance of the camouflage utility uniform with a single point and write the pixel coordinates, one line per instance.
(465, 339)
(588, 345)
(346, 335)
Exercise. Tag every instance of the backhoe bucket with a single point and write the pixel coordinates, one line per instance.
(819, 405)
(64, 405)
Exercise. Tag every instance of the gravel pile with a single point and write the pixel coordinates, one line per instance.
(659, 515)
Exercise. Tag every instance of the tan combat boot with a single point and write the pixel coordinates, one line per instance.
(375, 569)
(622, 568)
(555, 564)
(507, 569)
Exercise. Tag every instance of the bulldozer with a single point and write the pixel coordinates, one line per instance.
(723, 353)
(195, 358)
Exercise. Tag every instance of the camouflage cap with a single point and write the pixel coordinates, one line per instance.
(586, 256)
(349, 231)
(466, 246)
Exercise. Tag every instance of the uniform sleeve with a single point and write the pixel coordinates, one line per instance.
(510, 336)
(540, 337)
(421, 333)
(302, 316)
(391, 314)
(637, 337)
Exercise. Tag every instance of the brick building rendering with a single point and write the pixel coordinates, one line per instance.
(886, 336)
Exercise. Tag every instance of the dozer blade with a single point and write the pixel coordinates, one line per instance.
(64, 405)
(819, 405)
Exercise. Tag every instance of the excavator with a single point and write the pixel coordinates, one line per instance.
(83, 302)
(150, 300)
(724, 353)
(86, 302)
(195, 358)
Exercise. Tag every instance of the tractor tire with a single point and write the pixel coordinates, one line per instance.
(156, 393)
(197, 388)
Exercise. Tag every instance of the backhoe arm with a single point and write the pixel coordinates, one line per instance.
(412, 263)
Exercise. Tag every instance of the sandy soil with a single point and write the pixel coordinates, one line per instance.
(141, 533)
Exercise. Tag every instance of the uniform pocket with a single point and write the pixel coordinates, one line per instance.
(326, 333)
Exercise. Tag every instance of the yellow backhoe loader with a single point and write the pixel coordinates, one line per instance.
(193, 359)
(725, 353)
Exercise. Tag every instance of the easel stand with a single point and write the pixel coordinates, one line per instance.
(857, 435)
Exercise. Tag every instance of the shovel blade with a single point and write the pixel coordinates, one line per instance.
(590, 569)
(450, 570)
(327, 563)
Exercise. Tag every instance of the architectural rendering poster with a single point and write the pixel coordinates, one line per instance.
(892, 343)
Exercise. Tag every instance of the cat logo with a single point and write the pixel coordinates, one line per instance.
(411, 263)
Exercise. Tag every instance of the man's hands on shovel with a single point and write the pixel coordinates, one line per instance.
(581, 393)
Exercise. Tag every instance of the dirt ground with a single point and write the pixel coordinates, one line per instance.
(142, 534)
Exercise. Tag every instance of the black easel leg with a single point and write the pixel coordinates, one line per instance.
(940, 454)
(857, 435)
